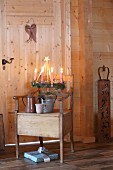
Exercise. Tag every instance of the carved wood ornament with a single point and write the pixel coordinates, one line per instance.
(31, 30)
(104, 122)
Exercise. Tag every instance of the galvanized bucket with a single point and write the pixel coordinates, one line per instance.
(48, 104)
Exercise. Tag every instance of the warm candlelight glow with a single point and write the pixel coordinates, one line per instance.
(61, 75)
(51, 69)
(61, 70)
(47, 69)
(42, 75)
(51, 75)
(42, 70)
(46, 58)
(47, 74)
(35, 73)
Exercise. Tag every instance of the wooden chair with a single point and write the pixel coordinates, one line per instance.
(55, 125)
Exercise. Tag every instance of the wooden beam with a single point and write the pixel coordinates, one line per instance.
(86, 69)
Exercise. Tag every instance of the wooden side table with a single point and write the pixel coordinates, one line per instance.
(56, 124)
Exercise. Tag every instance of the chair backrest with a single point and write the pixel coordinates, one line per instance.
(67, 103)
(69, 87)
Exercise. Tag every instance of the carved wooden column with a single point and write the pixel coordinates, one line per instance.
(104, 125)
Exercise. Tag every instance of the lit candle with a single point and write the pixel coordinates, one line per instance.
(35, 74)
(61, 75)
(47, 68)
(42, 75)
(51, 75)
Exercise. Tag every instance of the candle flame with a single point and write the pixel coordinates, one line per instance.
(61, 70)
(35, 70)
(42, 70)
(51, 69)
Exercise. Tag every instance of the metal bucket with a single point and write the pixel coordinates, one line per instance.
(48, 104)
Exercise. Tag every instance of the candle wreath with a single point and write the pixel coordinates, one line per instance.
(46, 77)
(48, 85)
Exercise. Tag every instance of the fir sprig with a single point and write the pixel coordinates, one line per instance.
(48, 85)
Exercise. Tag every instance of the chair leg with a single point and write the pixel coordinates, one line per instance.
(61, 134)
(17, 146)
(16, 134)
(61, 150)
(71, 140)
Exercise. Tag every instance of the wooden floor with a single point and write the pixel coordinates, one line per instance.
(86, 157)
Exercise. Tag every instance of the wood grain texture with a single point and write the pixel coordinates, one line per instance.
(54, 125)
(17, 77)
(86, 156)
(86, 64)
(75, 41)
(38, 125)
(102, 46)
(58, 38)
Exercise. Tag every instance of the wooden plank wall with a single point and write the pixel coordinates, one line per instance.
(86, 71)
(92, 47)
(86, 44)
(82, 62)
(75, 67)
(102, 46)
(17, 77)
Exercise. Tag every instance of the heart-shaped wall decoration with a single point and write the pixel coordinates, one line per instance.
(31, 30)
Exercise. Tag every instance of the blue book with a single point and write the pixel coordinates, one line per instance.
(41, 157)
